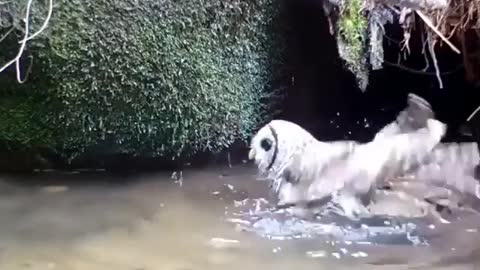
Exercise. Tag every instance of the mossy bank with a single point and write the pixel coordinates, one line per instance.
(146, 78)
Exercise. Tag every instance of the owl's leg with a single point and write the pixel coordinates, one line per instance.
(412, 118)
(351, 207)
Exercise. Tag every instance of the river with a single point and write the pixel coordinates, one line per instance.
(197, 219)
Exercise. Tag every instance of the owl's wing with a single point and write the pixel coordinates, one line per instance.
(306, 168)
(452, 166)
(413, 117)
(391, 156)
(353, 176)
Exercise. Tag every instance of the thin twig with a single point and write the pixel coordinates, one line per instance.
(391, 39)
(424, 53)
(22, 47)
(8, 33)
(443, 15)
(466, 17)
(469, 70)
(29, 70)
(49, 16)
(453, 30)
(422, 72)
(23, 42)
(431, 47)
(429, 23)
(473, 113)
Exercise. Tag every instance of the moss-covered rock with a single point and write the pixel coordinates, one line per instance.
(153, 77)
(23, 122)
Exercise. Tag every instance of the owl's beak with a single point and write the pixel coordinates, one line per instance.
(251, 154)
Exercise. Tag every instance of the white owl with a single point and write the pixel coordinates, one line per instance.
(307, 171)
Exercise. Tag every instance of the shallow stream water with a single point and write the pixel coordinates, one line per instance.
(213, 218)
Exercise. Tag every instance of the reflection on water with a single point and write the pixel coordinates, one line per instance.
(209, 219)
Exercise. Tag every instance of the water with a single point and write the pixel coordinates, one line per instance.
(203, 219)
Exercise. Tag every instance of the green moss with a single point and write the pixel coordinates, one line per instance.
(352, 26)
(23, 122)
(155, 77)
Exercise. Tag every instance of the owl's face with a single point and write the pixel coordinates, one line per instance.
(283, 151)
(264, 149)
(275, 144)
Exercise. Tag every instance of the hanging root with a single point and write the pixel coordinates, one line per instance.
(439, 20)
(27, 37)
(431, 49)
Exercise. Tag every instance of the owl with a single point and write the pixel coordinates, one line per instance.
(305, 170)
(347, 175)
(291, 158)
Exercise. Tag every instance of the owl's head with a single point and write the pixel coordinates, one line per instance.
(264, 148)
(275, 142)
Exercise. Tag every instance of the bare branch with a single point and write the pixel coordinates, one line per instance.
(422, 72)
(429, 23)
(8, 33)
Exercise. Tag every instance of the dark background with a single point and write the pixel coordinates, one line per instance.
(325, 100)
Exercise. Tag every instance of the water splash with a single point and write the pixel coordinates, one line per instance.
(281, 225)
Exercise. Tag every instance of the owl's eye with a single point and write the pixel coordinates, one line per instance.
(266, 144)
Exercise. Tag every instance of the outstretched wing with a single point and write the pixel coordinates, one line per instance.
(353, 178)
(451, 165)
